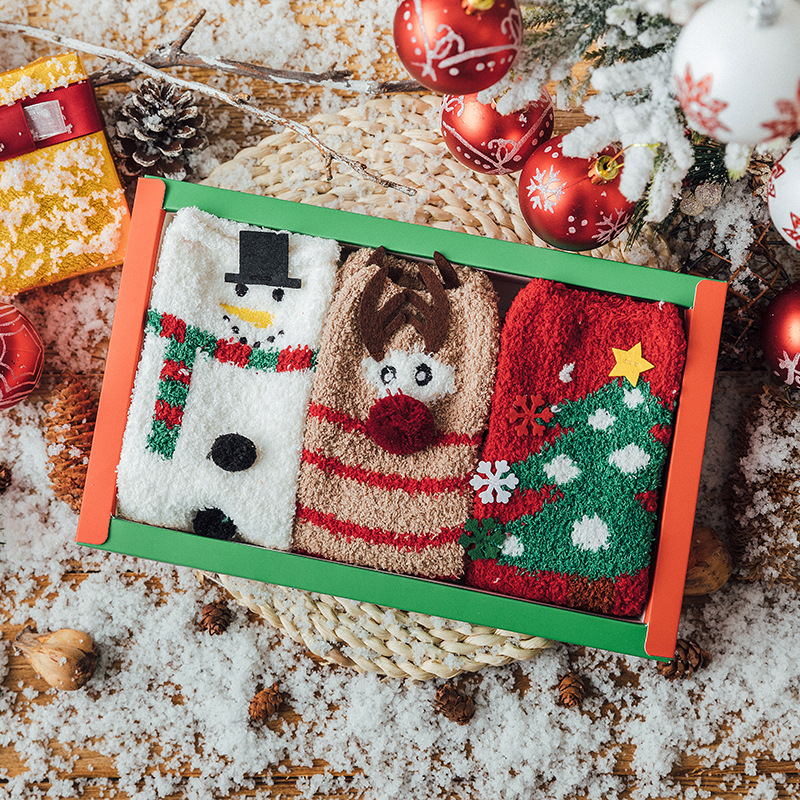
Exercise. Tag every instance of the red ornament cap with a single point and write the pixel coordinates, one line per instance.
(496, 144)
(455, 47)
(21, 356)
(780, 335)
(573, 203)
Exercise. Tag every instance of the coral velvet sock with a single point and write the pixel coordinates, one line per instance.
(398, 409)
(578, 437)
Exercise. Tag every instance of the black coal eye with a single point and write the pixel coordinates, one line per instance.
(388, 374)
(241, 289)
(277, 295)
(423, 375)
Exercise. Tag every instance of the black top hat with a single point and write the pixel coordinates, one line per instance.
(263, 260)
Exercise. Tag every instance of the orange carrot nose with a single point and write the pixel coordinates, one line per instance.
(401, 424)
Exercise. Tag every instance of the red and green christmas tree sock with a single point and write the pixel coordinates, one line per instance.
(568, 487)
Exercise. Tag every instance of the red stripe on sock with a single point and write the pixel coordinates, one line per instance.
(429, 486)
(350, 530)
(351, 425)
(171, 415)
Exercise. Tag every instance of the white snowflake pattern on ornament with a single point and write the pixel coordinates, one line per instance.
(545, 189)
(777, 171)
(494, 481)
(788, 123)
(611, 226)
(792, 371)
(700, 109)
(794, 232)
(448, 50)
(452, 102)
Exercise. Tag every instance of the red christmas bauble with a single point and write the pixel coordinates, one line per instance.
(494, 143)
(453, 47)
(21, 356)
(780, 335)
(573, 203)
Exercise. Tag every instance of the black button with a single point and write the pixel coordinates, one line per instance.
(233, 452)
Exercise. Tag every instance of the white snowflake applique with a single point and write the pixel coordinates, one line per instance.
(611, 225)
(545, 189)
(494, 481)
(565, 376)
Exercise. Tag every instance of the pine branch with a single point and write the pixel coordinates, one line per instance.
(169, 55)
(237, 101)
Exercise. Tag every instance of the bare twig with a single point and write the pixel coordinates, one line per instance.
(173, 55)
(238, 101)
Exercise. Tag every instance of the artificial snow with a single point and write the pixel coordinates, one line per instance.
(168, 699)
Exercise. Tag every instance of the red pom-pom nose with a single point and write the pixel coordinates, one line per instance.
(401, 424)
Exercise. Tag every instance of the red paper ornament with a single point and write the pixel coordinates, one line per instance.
(494, 143)
(780, 335)
(573, 203)
(457, 46)
(21, 356)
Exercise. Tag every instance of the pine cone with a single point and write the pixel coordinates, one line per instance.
(689, 657)
(68, 430)
(454, 704)
(571, 690)
(265, 704)
(5, 477)
(215, 617)
(156, 128)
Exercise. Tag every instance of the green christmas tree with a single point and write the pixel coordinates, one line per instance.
(606, 465)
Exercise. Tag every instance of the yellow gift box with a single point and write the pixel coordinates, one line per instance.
(62, 209)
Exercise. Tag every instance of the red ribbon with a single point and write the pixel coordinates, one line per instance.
(29, 125)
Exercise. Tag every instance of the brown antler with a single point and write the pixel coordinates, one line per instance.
(431, 322)
(378, 324)
(449, 277)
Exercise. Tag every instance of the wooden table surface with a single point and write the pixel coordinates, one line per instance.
(97, 769)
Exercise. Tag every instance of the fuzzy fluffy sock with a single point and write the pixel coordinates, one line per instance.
(399, 405)
(215, 425)
(568, 489)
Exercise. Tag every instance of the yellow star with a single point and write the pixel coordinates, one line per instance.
(630, 364)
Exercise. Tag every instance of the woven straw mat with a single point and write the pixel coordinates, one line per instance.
(397, 137)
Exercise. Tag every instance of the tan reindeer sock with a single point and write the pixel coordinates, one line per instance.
(399, 405)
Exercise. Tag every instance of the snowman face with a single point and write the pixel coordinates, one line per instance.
(260, 315)
(201, 280)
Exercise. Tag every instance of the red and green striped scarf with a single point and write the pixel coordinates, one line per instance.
(185, 343)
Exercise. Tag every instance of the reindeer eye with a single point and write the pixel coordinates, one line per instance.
(423, 375)
(388, 374)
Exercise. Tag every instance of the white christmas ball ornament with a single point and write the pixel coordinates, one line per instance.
(737, 69)
(783, 195)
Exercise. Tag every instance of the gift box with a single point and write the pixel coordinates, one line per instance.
(62, 210)
(698, 307)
